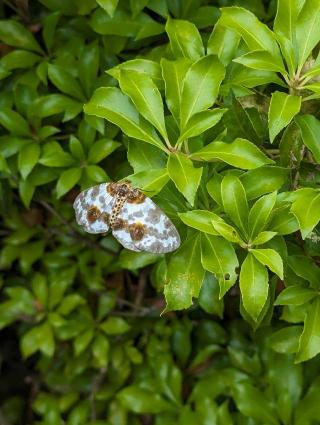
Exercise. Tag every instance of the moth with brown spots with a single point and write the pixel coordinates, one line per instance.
(135, 220)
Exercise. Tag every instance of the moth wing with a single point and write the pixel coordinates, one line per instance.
(98, 198)
(159, 233)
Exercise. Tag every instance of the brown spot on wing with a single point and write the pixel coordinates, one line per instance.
(137, 231)
(118, 223)
(135, 197)
(93, 214)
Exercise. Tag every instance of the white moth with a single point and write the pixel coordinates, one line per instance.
(136, 221)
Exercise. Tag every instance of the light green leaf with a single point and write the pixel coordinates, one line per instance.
(226, 231)
(26, 191)
(306, 209)
(96, 173)
(185, 275)
(108, 5)
(89, 67)
(308, 29)
(184, 175)
(270, 258)
(81, 342)
(260, 213)
(54, 156)
(283, 107)
(286, 18)
(200, 123)
(151, 181)
(259, 37)
(295, 295)
(200, 220)
(308, 409)
(310, 130)
(235, 201)
(309, 344)
(185, 40)
(115, 326)
(51, 104)
(260, 60)
(219, 258)
(145, 96)
(223, 42)
(286, 340)
(173, 73)
(143, 157)
(100, 351)
(27, 158)
(304, 267)
(19, 59)
(67, 180)
(200, 87)
(101, 149)
(111, 104)
(263, 237)
(253, 285)
(240, 153)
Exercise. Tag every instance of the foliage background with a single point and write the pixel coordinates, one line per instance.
(214, 113)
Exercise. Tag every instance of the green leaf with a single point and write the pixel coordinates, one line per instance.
(270, 258)
(52, 104)
(115, 326)
(305, 268)
(111, 104)
(295, 295)
(226, 231)
(286, 340)
(108, 5)
(259, 37)
(142, 400)
(285, 20)
(38, 338)
(96, 173)
(173, 73)
(81, 342)
(263, 237)
(200, 87)
(151, 181)
(260, 213)
(26, 191)
(100, 351)
(145, 96)
(306, 209)
(253, 403)
(27, 159)
(184, 175)
(263, 180)
(144, 157)
(132, 260)
(101, 149)
(283, 107)
(219, 258)
(200, 220)
(253, 285)
(223, 42)
(200, 123)
(14, 122)
(89, 67)
(54, 156)
(260, 60)
(185, 275)
(64, 81)
(308, 409)
(185, 40)
(19, 59)
(308, 29)
(76, 148)
(310, 127)
(240, 153)
(235, 201)
(209, 299)
(15, 34)
(67, 180)
(49, 28)
(309, 344)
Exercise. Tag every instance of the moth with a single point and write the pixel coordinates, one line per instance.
(135, 220)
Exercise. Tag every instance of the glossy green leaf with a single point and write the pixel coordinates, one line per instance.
(309, 344)
(206, 75)
(253, 285)
(219, 258)
(310, 127)
(209, 296)
(151, 182)
(260, 213)
(115, 326)
(144, 157)
(108, 5)
(263, 237)
(260, 60)
(295, 295)
(101, 149)
(100, 351)
(111, 104)
(235, 201)
(286, 340)
(27, 159)
(38, 338)
(89, 67)
(14, 122)
(67, 180)
(306, 209)
(223, 42)
(142, 400)
(185, 40)
(283, 108)
(226, 231)
(146, 97)
(184, 175)
(185, 275)
(305, 268)
(200, 220)
(269, 258)
(240, 153)
(15, 34)
(308, 29)
(64, 81)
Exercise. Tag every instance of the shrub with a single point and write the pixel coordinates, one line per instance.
(213, 112)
